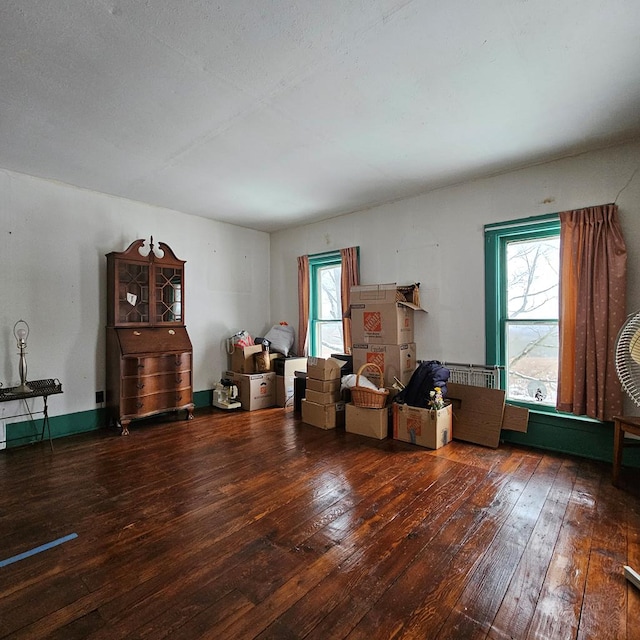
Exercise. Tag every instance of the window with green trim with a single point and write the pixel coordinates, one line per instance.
(522, 306)
(325, 309)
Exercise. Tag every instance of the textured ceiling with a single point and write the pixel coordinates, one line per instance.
(273, 113)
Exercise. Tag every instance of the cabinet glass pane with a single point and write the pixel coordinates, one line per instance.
(168, 295)
(133, 293)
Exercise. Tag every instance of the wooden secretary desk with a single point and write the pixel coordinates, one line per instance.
(149, 353)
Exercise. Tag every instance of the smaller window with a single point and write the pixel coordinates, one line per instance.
(325, 313)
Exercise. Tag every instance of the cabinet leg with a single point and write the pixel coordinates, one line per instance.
(125, 428)
(189, 413)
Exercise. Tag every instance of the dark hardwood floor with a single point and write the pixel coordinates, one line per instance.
(254, 525)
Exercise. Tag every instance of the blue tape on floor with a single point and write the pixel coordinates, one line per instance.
(42, 547)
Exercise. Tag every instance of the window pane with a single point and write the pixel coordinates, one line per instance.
(329, 338)
(532, 362)
(532, 278)
(329, 307)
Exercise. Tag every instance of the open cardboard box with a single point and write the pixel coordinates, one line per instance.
(325, 368)
(383, 313)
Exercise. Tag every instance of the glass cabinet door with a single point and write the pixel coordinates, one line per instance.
(133, 293)
(168, 295)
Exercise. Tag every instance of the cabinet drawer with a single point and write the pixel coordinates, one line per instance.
(156, 402)
(135, 386)
(156, 364)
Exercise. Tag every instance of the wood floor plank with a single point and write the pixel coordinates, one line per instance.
(520, 600)
(255, 525)
(558, 610)
(483, 594)
(603, 613)
(633, 560)
(412, 605)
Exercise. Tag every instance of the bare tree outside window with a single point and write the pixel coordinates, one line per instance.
(532, 319)
(329, 321)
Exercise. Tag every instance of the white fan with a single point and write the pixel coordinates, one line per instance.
(628, 370)
(628, 357)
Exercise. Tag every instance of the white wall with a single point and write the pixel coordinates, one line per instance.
(52, 259)
(437, 239)
(53, 239)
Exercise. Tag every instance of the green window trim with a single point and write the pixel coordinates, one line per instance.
(496, 238)
(316, 262)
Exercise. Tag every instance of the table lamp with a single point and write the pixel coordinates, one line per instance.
(21, 333)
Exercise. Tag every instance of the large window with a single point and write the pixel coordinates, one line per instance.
(325, 317)
(522, 295)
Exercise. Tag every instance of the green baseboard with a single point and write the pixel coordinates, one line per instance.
(29, 431)
(575, 436)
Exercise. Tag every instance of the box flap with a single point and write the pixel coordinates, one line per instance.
(406, 296)
(328, 364)
(410, 305)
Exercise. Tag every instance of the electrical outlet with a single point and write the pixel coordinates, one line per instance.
(99, 397)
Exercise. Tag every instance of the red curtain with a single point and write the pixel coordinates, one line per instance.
(593, 260)
(350, 278)
(303, 304)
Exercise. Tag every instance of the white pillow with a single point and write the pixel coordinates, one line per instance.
(281, 338)
(349, 381)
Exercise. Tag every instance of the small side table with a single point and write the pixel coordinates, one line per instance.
(39, 389)
(622, 425)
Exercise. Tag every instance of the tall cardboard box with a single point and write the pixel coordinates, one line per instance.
(395, 360)
(373, 423)
(425, 427)
(285, 369)
(288, 366)
(255, 390)
(284, 392)
(383, 314)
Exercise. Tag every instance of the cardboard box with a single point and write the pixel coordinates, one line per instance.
(324, 368)
(288, 366)
(242, 359)
(284, 391)
(425, 427)
(383, 314)
(395, 360)
(323, 386)
(324, 416)
(255, 390)
(373, 423)
(482, 413)
(323, 397)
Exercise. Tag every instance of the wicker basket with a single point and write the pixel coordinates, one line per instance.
(365, 397)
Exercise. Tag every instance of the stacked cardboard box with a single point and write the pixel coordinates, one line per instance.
(255, 390)
(382, 322)
(373, 423)
(322, 406)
